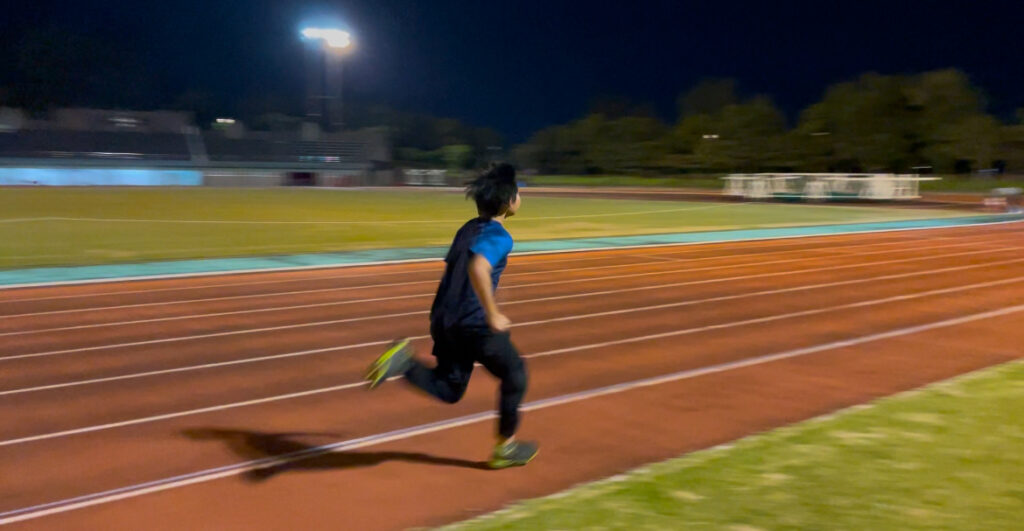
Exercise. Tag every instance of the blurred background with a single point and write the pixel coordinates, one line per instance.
(199, 198)
(226, 93)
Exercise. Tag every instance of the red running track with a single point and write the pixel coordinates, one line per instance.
(236, 401)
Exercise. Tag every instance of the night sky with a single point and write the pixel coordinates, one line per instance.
(519, 66)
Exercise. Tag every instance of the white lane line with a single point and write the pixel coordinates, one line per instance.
(23, 220)
(204, 366)
(337, 321)
(435, 265)
(202, 476)
(432, 266)
(378, 299)
(297, 307)
(349, 288)
(529, 253)
(770, 318)
(566, 350)
(177, 414)
(767, 239)
(434, 281)
(538, 322)
(214, 314)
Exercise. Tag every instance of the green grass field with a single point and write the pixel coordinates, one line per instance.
(116, 225)
(970, 184)
(948, 457)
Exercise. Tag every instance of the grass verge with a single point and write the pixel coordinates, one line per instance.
(947, 456)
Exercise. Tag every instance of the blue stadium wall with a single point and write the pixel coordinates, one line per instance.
(13, 176)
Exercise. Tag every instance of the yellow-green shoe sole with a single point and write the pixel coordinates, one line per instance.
(376, 373)
(498, 464)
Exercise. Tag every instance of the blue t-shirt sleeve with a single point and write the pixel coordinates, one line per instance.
(492, 245)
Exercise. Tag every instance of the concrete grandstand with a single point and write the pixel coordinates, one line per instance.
(110, 147)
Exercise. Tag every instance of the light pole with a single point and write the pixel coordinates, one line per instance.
(331, 46)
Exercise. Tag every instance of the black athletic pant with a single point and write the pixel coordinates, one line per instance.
(456, 349)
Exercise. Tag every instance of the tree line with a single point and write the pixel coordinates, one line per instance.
(933, 122)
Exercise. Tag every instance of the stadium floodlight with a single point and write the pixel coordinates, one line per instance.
(328, 46)
(332, 37)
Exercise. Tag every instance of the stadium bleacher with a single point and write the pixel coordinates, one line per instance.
(54, 143)
(103, 147)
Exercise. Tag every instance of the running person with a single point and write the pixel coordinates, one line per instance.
(465, 322)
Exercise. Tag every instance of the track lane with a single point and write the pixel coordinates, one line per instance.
(594, 367)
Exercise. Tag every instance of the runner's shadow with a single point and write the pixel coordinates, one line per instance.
(253, 445)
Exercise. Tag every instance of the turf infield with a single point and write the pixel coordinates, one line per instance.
(83, 226)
